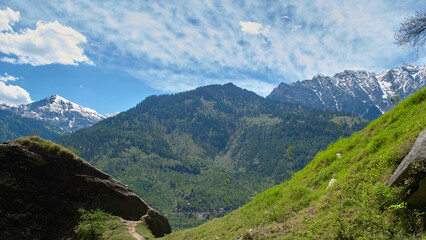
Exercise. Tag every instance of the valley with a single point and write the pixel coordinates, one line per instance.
(342, 192)
(199, 154)
(195, 155)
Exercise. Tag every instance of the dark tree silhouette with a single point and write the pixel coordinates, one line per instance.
(412, 32)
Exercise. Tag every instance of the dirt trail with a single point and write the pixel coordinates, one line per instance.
(131, 227)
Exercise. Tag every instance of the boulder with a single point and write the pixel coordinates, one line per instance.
(156, 224)
(40, 193)
(411, 171)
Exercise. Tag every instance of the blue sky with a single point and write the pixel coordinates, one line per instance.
(110, 55)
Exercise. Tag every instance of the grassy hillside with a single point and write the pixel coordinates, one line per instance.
(357, 205)
(202, 153)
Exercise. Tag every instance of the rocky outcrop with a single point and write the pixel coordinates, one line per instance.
(41, 191)
(412, 172)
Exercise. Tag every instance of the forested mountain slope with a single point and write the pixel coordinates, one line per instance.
(13, 126)
(202, 153)
(355, 205)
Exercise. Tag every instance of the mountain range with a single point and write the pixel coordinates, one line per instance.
(359, 93)
(202, 153)
(49, 117)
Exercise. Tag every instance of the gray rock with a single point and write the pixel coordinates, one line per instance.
(411, 170)
(156, 223)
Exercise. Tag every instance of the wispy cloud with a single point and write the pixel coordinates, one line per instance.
(173, 47)
(296, 27)
(6, 77)
(46, 44)
(174, 82)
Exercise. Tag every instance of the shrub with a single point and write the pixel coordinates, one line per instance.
(92, 224)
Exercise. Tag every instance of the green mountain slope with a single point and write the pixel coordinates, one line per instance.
(13, 126)
(202, 153)
(357, 205)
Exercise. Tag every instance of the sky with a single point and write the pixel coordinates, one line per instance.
(110, 55)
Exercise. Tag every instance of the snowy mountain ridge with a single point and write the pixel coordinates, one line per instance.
(358, 92)
(58, 111)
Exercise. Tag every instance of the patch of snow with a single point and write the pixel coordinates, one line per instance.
(386, 88)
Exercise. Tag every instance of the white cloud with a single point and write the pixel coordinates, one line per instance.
(8, 77)
(174, 47)
(8, 60)
(254, 28)
(7, 18)
(11, 94)
(296, 27)
(46, 44)
(15, 95)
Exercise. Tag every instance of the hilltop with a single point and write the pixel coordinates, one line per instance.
(341, 194)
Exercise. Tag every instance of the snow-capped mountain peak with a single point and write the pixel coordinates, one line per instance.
(354, 91)
(59, 111)
(59, 104)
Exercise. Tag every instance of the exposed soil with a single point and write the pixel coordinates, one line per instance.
(131, 227)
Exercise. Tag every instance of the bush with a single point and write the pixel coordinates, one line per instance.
(97, 224)
(92, 224)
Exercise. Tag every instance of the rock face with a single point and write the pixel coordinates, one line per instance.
(40, 193)
(412, 170)
(361, 93)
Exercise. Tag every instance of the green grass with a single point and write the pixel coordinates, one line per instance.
(38, 144)
(97, 224)
(143, 230)
(348, 120)
(357, 206)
